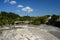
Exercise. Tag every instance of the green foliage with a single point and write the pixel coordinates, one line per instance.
(36, 23)
(25, 18)
(53, 19)
(8, 18)
(40, 20)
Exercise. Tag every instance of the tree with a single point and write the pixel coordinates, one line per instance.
(25, 18)
(8, 18)
(53, 19)
(40, 20)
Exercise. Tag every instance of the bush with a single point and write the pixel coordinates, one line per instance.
(36, 23)
(57, 24)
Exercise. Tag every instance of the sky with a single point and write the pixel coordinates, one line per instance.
(31, 7)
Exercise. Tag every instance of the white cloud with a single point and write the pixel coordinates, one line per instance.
(20, 6)
(27, 9)
(5, 1)
(12, 2)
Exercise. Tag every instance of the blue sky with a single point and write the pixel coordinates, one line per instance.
(32, 7)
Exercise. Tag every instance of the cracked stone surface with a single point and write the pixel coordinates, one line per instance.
(27, 34)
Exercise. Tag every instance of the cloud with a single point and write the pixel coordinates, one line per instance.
(27, 9)
(5, 1)
(12, 2)
(20, 6)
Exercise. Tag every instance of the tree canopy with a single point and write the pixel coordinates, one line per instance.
(10, 18)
